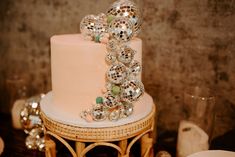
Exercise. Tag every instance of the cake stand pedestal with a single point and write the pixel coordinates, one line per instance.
(139, 130)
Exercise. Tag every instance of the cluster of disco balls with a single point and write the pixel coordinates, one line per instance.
(32, 123)
(121, 22)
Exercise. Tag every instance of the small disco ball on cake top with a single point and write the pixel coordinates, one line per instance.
(127, 9)
(115, 29)
(100, 27)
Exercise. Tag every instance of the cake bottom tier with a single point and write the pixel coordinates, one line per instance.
(70, 114)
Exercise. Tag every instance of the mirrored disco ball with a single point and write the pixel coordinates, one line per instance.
(36, 132)
(31, 142)
(131, 90)
(98, 113)
(101, 24)
(126, 109)
(33, 104)
(126, 54)
(114, 115)
(92, 25)
(110, 58)
(30, 114)
(135, 67)
(35, 139)
(121, 29)
(110, 101)
(129, 10)
(113, 46)
(41, 144)
(117, 73)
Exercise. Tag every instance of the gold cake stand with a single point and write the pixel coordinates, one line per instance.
(139, 130)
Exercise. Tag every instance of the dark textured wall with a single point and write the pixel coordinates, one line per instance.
(186, 43)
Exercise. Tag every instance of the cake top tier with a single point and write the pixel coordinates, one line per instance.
(78, 69)
(119, 83)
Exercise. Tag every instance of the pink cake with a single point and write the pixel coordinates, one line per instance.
(78, 76)
(78, 69)
(96, 76)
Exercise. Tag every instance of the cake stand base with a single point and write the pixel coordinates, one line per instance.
(139, 130)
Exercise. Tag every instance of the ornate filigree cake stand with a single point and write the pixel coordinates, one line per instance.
(139, 130)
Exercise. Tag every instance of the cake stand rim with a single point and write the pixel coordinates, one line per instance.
(91, 134)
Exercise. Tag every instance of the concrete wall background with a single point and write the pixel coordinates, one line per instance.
(186, 43)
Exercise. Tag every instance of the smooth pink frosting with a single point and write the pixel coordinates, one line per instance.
(78, 69)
